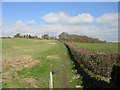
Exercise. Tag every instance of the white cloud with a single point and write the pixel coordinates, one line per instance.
(108, 20)
(24, 23)
(31, 22)
(55, 30)
(0, 23)
(57, 25)
(62, 18)
(20, 23)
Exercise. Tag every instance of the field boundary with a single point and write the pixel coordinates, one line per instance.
(98, 63)
(84, 68)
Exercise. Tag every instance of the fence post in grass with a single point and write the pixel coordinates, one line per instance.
(51, 81)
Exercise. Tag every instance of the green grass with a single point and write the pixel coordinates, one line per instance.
(99, 47)
(50, 54)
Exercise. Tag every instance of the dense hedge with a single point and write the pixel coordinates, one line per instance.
(98, 63)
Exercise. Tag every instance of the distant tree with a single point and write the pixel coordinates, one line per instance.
(45, 36)
(18, 35)
(104, 41)
(64, 35)
(26, 36)
(52, 37)
(35, 36)
(29, 36)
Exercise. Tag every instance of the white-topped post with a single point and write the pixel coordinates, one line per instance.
(51, 81)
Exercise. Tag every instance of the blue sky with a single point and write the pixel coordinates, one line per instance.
(43, 13)
(29, 10)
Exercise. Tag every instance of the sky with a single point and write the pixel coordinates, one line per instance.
(93, 19)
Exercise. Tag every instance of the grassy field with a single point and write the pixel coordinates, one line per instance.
(26, 64)
(99, 47)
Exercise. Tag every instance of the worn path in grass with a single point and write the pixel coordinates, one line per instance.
(64, 73)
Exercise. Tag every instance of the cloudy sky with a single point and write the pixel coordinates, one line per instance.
(93, 19)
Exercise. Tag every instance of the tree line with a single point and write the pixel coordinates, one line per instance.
(45, 36)
(78, 38)
(63, 36)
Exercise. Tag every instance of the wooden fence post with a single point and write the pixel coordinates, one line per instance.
(51, 81)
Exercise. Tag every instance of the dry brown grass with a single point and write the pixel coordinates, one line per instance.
(12, 64)
(8, 77)
(31, 82)
(18, 62)
(53, 57)
(52, 43)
